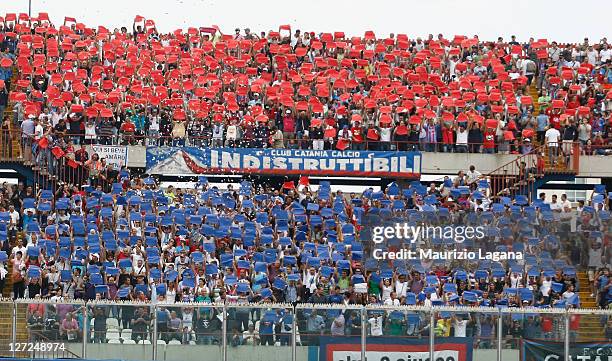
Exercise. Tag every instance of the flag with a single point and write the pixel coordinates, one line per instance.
(289, 185)
(330, 133)
(58, 152)
(342, 144)
(72, 164)
(401, 130)
(43, 142)
(304, 181)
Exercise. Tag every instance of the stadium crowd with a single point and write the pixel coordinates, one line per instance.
(78, 85)
(297, 245)
(126, 238)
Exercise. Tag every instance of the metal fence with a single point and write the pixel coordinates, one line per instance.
(215, 331)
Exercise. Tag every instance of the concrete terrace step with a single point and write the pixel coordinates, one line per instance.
(533, 92)
(590, 325)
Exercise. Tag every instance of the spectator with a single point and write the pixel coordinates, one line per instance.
(140, 324)
(338, 324)
(69, 329)
(553, 142)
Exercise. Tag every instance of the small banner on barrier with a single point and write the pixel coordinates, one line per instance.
(192, 160)
(117, 155)
(395, 349)
(537, 350)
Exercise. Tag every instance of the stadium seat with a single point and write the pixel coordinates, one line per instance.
(112, 334)
(112, 324)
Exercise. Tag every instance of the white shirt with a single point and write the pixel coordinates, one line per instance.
(17, 249)
(386, 292)
(310, 281)
(294, 40)
(546, 287)
(462, 138)
(154, 124)
(376, 326)
(515, 280)
(14, 217)
(401, 288)
(566, 203)
(451, 66)
(552, 137)
(556, 208)
(460, 328)
(472, 176)
(592, 57)
(38, 131)
(392, 302)
(605, 55)
(90, 130)
(232, 132)
(385, 134)
(554, 54)
(568, 294)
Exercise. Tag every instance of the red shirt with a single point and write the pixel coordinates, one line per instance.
(555, 121)
(288, 124)
(122, 255)
(541, 164)
(448, 136)
(357, 134)
(547, 324)
(489, 140)
(271, 113)
(574, 322)
(128, 127)
(572, 104)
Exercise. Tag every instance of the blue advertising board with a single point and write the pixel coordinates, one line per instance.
(193, 160)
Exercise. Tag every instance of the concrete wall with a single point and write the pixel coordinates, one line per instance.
(213, 353)
(595, 166)
(450, 163)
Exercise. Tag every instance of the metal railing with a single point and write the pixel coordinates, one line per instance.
(151, 328)
(517, 177)
(14, 146)
(9, 137)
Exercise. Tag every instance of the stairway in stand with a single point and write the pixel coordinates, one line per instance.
(6, 328)
(533, 93)
(6, 314)
(591, 328)
(14, 152)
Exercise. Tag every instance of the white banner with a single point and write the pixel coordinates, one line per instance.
(117, 155)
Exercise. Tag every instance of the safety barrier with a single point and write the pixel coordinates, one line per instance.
(227, 331)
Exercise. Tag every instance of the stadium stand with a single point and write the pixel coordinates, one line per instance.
(297, 90)
(106, 234)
